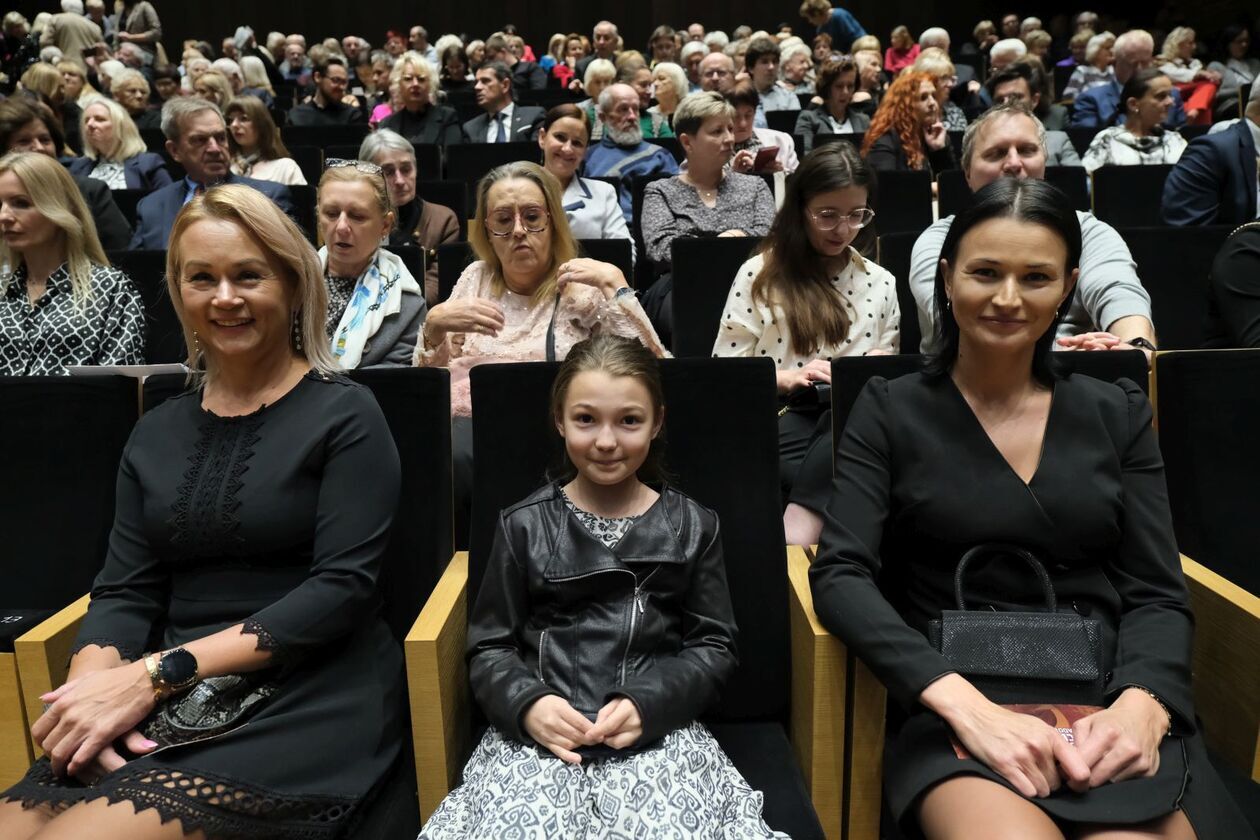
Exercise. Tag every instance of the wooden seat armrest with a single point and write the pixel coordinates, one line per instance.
(1226, 679)
(43, 655)
(818, 697)
(437, 684)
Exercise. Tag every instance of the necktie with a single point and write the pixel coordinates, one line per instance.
(501, 135)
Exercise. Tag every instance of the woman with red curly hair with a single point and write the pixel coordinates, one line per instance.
(906, 132)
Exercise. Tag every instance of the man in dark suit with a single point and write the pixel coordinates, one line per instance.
(196, 137)
(503, 121)
(1098, 106)
(327, 106)
(604, 40)
(526, 75)
(1215, 180)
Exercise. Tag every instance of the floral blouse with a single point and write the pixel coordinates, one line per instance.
(45, 337)
(584, 311)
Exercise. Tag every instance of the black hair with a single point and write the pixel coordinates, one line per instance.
(1027, 200)
(1137, 87)
(321, 67)
(1029, 72)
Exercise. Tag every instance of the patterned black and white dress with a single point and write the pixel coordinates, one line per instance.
(683, 787)
(56, 331)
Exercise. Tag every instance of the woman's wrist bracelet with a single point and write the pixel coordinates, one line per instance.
(1162, 705)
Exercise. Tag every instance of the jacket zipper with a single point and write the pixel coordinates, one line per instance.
(636, 609)
(542, 646)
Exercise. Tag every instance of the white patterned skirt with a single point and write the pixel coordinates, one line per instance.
(684, 787)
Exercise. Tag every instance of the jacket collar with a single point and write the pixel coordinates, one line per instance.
(576, 553)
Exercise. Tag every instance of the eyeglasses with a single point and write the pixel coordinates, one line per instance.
(826, 220)
(533, 218)
(361, 165)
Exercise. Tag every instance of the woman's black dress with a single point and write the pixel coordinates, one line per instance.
(918, 482)
(278, 520)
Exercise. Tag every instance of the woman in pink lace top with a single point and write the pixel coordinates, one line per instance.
(503, 304)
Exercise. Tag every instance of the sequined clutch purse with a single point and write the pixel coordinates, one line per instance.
(212, 707)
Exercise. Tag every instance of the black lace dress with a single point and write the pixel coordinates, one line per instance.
(277, 520)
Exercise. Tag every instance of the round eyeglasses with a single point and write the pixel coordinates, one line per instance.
(826, 220)
(502, 222)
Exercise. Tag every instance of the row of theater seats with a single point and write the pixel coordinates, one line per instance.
(801, 719)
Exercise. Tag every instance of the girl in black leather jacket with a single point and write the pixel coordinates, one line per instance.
(602, 630)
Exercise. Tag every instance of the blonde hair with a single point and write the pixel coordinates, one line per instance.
(64, 67)
(43, 79)
(352, 174)
(696, 108)
(1173, 42)
(127, 142)
(866, 42)
(934, 60)
(58, 200)
(279, 236)
(128, 76)
(420, 64)
(220, 84)
(563, 245)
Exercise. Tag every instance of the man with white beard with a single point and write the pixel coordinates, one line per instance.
(623, 153)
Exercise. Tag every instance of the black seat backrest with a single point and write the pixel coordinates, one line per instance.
(154, 140)
(645, 269)
(164, 343)
(127, 201)
(784, 121)
(412, 257)
(952, 192)
(849, 375)
(66, 436)
(1074, 183)
(903, 202)
(895, 250)
(323, 136)
(304, 196)
(1081, 138)
(703, 272)
(1208, 404)
(416, 403)
(671, 145)
(452, 259)
(856, 139)
(1174, 264)
(714, 409)
(615, 251)
(955, 196)
(310, 159)
(449, 194)
(1061, 76)
(469, 162)
(1130, 196)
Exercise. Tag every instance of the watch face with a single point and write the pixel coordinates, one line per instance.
(178, 667)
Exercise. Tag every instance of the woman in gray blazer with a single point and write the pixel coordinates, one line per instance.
(836, 83)
(591, 206)
(375, 306)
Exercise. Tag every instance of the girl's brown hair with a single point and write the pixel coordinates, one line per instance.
(616, 356)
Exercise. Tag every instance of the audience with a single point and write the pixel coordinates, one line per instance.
(375, 306)
(421, 119)
(906, 132)
(652, 124)
(1234, 291)
(131, 90)
(72, 32)
(1096, 69)
(213, 87)
(669, 86)
(29, 126)
(871, 82)
(1147, 98)
(717, 73)
(327, 106)
(419, 222)
(622, 153)
(839, 23)
(455, 74)
(255, 144)
(503, 121)
(1197, 86)
(604, 44)
(1081, 487)
(44, 83)
(525, 75)
(197, 139)
(762, 64)
(113, 151)
(709, 198)
(75, 82)
(137, 23)
(61, 304)
(796, 66)
(1109, 310)
(1018, 82)
(1214, 180)
(837, 81)
(591, 206)
(1235, 69)
(902, 51)
(935, 62)
(744, 99)
(1101, 106)
(804, 298)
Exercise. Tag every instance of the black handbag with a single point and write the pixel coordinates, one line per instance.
(212, 707)
(1021, 657)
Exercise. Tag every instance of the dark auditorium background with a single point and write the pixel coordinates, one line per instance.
(536, 20)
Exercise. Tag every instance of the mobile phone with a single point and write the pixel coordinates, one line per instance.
(765, 157)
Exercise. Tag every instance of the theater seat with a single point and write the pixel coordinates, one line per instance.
(703, 272)
(1173, 264)
(764, 756)
(903, 202)
(164, 343)
(1129, 196)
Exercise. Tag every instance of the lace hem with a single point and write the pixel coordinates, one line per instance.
(215, 805)
(266, 641)
(126, 651)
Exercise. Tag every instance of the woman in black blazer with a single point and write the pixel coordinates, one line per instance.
(421, 119)
(988, 445)
(906, 132)
(113, 151)
(836, 83)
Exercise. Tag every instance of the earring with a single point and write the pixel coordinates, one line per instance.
(297, 332)
(949, 304)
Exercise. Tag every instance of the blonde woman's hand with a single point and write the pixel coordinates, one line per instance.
(587, 272)
(1122, 741)
(466, 315)
(559, 727)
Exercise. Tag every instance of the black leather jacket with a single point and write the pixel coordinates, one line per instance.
(560, 613)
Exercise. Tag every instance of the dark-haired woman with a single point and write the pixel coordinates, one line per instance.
(989, 445)
(1235, 68)
(257, 150)
(1145, 101)
(906, 132)
(809, 296)
(837, 82)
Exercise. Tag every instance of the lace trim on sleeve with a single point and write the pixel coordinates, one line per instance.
(266, 641)
(126, 651)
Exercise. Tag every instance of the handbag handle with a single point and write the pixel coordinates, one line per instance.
(1004, 548)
